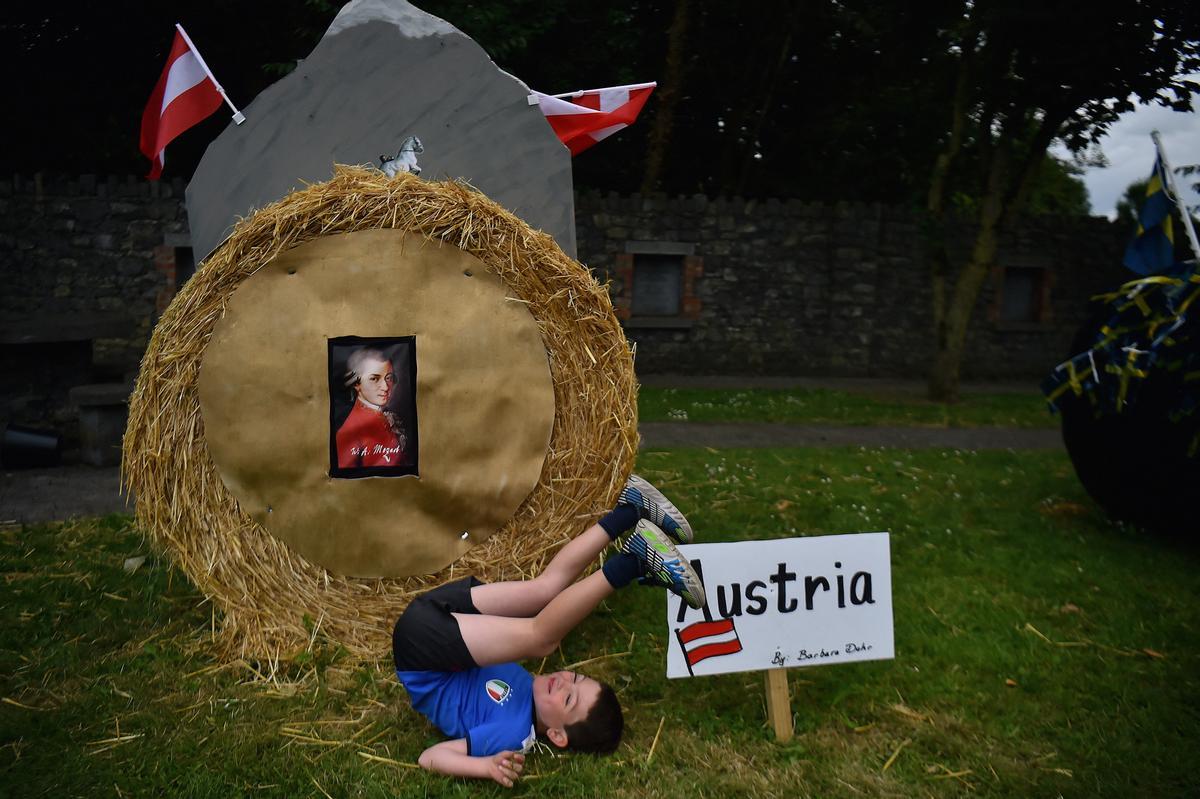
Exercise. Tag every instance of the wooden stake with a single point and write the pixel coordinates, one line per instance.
(779, 704)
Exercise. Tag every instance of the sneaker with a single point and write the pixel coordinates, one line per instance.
(656, 508)
(665, 565)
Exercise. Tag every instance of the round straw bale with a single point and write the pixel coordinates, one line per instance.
(273, 602)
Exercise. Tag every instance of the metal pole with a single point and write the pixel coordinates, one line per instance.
(238, 116)
(1173, 192)
(629, 87)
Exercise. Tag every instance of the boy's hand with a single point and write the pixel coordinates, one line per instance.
(504, 767)
(450, 757)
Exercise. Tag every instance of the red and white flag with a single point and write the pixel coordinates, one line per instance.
(186, 93)
(580, 119)
(706, 639)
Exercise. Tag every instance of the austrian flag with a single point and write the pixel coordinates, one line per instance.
(186, 93)
(706, 639)
(580, 119)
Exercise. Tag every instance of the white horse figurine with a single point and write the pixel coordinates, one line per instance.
(405, 160)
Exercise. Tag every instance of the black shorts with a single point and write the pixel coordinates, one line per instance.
(427, 638)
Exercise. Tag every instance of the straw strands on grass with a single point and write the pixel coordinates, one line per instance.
(268, 594)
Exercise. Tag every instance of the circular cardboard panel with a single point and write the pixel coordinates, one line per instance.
(484, 402)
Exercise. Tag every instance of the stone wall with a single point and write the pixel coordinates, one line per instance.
(87, 265)
(793, 288)
(92, 246)
(783, 288)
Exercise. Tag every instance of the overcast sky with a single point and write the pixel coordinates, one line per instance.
(1130, 152)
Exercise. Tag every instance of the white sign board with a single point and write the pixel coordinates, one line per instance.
(783, 603)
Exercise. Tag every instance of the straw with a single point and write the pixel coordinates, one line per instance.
(262, 588)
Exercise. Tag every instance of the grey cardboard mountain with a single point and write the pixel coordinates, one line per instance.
(384, 71)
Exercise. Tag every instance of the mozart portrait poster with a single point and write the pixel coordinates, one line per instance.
(372, 407)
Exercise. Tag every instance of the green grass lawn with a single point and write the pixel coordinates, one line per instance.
(826, 406)
(1040, 651)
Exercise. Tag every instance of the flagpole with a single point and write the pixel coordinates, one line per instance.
(629, 87)
(1174, 194)
(238, 116)
(683, 651)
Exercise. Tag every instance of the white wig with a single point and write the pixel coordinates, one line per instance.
(357, 360)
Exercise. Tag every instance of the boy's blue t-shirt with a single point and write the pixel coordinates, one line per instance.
(492, 707)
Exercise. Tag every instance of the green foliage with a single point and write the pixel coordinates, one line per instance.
(507, 30)
(1041, 651)
(1025, 75)
(1031, 77)
(850, 100)
(1059, 190)
(1056, 190)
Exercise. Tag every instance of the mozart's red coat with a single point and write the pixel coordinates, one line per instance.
(365, 439)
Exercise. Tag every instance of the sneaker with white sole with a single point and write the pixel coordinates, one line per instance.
(665, 564)
(655, 507)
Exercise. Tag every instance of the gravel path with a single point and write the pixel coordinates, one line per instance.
(42, 495)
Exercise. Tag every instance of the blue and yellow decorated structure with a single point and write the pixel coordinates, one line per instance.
(1130, 400)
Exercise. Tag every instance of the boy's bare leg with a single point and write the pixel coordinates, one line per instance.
(501, 639)
(524, 598)
(526, 619)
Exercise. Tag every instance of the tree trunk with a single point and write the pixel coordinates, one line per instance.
(668, 100)
(935, 233)
(952, 330)
(952, 338)
(1003, 198)
(764, 111)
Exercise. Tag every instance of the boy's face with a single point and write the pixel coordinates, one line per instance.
(563, 698)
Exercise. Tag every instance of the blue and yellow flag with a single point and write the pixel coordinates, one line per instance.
(1153, 247)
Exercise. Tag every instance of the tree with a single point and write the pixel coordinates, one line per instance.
(669, 91)
(1189, 175)
(1058, 189)
(1024, 75)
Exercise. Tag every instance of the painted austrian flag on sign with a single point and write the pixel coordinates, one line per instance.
(185, 94)
(707, 639)
(789, 602)
(586, 117)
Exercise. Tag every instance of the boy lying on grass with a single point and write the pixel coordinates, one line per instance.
(454, 646)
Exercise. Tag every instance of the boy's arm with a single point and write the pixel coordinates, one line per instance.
(450, 757)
